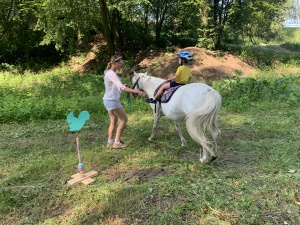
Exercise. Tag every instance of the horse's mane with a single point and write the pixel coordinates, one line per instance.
(154, 79)
(150, 82)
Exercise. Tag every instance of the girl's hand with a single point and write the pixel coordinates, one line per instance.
(142, 94)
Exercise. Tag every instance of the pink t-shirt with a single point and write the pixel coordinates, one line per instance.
(113, 86)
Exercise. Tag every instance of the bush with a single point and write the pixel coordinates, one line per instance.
(245, 90)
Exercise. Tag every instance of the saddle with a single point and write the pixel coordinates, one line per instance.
(167, 94)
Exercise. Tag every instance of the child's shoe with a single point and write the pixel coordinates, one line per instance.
(150, 100)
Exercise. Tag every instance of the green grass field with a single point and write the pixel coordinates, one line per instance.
(256, 179)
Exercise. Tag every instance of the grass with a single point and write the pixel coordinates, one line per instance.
(254, 181)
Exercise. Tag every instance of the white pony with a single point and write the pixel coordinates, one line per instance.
(196, 103)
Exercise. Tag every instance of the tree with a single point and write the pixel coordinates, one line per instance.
(182, 25)
(160, 9)
(67, 22)
(254, 19)
(205, 27)
(239, 18)
(18, 39)
(26, 26)
(107, 22)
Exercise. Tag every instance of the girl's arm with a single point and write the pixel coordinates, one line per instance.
(129, 90)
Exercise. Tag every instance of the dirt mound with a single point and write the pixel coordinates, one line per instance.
(79, 64)
(207, 65)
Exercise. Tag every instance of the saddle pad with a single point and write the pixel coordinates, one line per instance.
(166, 96)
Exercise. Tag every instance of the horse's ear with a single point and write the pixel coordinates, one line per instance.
(134, 73)
(146, 73)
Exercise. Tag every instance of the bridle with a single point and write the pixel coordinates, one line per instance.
(136, 84)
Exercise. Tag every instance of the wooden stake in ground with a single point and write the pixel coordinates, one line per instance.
(75, 125)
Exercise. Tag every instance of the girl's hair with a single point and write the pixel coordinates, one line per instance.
(113, 59)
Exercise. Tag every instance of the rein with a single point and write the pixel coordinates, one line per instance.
(136, 84)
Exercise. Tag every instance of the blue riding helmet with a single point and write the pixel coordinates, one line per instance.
(185, 55)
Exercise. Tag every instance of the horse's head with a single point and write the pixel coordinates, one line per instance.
(146, 83)
(136, 82)
(136, 77)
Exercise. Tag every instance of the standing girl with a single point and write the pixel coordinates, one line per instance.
(111, 101)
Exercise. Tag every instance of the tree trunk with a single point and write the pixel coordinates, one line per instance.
(108, 32)
(157, 32)
(218, 22)
(204, 11)
(120, 38)
(146, 20)
(161, 10)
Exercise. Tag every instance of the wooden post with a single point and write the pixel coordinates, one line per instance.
(81, 177)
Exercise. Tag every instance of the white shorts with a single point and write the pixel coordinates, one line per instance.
(112, 104)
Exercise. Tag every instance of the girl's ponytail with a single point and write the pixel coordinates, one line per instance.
(107, 67)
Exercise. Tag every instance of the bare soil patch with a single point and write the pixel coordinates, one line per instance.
(207, 65)
(134, 175)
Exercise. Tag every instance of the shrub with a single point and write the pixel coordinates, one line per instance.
(245, 90)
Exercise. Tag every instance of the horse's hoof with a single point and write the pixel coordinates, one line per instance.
(204, 161)
(213, 158)
(149, 139)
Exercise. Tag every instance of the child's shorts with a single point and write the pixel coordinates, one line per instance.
(174, 84)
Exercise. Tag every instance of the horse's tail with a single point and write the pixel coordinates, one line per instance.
(205, 119)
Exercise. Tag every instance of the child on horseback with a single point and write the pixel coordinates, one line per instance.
(181, 76)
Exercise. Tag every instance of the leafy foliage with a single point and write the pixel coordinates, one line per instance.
(253, 19)
(67, 23)
(240, 91)
(31, 31)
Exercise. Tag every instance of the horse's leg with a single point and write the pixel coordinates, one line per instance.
(209, 156)
(178, 128)
(205, 157)
(215, 135)
(157, 115)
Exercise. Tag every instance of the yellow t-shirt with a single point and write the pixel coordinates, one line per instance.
(183, 74)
